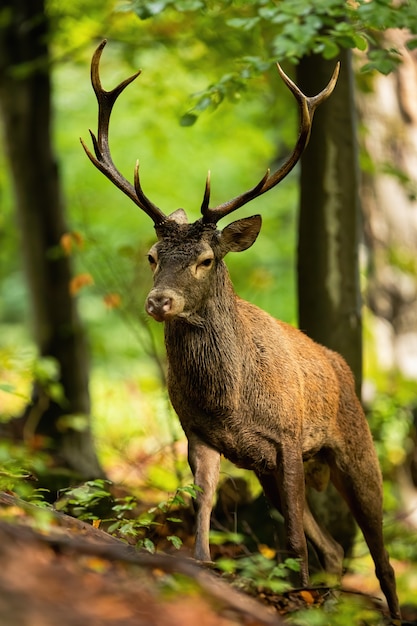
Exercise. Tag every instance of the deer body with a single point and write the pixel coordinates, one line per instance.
(243, 382)
(261, 393)
(245, 385)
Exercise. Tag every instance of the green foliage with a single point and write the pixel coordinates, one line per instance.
(258, 571)
(401, 541)
(339, 611)
(302, 27)
(265, 31)
(391, 421)
(145, 9)
(15, 369)
(19, 367)
(80, 501)
(46, 373)
(222, 537)
(143, 523)
(19, 468)
(85, 502)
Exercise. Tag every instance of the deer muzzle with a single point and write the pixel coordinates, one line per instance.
(163, 305)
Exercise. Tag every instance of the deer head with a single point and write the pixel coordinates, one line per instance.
(197, 247)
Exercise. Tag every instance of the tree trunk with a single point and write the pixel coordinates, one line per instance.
(328, 276)
(329, 302)
(25, 99)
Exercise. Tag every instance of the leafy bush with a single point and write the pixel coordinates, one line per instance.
(86, 500)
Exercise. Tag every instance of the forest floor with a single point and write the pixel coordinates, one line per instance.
(59, 570)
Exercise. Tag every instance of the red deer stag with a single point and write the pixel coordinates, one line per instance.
(243, 384)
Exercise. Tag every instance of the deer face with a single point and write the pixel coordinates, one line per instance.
(185, 263)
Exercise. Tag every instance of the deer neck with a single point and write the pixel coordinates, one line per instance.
(200, 348)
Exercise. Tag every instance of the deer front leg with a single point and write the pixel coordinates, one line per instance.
(205, 466)
(291, 487)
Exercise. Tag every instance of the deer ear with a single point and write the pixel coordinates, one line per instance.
(179, 216)
(240, 235)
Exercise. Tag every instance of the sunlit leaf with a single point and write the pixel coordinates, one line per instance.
(148, 545)
(266, 551)
(7, 388)
(176, 541)
(79, 423)
(80, 281)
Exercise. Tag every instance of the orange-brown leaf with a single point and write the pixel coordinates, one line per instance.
(70, 240)
(66, 243)
(307, 596)
(112, 300)
(79, 281)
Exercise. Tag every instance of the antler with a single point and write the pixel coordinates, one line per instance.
(103, 160)
(307, 108)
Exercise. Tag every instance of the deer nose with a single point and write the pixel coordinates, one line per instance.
(158, 306)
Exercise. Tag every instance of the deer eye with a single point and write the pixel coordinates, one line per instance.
(151, 259)
(206, 262)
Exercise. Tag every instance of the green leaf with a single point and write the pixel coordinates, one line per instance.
(383, 60)
(7, 387)
(411, 44)
(292, 564)
(145, 519)
(79, 423)
(188, 119)
(113, 527)
(360, 41)
(218, 538)
(227, 565)
(189, 5)
(203, 103)
(145, 9)
(176, 541)
(46, 369)
(327, 47)
(243, 23)
(148, 545)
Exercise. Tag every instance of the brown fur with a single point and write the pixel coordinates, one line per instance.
(261, 393)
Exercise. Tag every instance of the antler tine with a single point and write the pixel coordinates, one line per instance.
(307, 106)
(102, 159)
(206, 198)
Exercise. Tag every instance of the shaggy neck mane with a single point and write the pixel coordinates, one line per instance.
(197, 352)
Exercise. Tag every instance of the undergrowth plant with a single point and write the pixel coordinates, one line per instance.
(86, 502)
(259, 572)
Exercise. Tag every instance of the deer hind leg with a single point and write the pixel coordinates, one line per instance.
(205, 466)
(361, 486)
(329, 552)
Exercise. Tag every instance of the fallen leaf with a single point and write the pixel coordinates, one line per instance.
(307, 596)
(266, 551)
